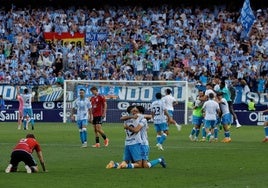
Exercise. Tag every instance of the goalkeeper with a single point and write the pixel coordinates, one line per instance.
(23, 152)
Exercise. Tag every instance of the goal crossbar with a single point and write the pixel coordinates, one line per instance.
(127, 92)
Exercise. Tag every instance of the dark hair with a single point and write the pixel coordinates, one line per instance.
(168, 91)
(30, 136)
(141, 109)
(209, 84)
(82, 89)
(158, 95)
(129, 109)
(26, 91)
(222, 84)
(93, 88)
(211, 95)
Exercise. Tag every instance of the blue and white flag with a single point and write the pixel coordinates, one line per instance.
(96, 36)
(247, 18)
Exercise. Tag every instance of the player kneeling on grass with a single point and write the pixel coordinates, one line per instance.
(23, 152)
(136, 114)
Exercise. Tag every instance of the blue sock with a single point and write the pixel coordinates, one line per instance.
(227, 134)
(216, 132)
(204, 132)
(84, 134)
(130, 165)
(266, 131)
(81, 136)
(154, 162)
(163, 138)
(116, 165)
(32, 122)
(197, 133)
(193, 131)
(158, 138)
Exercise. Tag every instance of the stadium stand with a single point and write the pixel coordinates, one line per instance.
(182, 41)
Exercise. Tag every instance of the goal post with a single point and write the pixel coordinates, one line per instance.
(121, 94)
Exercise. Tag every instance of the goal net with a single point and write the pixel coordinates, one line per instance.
(121, 94)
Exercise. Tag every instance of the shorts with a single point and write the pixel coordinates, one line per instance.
(97, 120)
(197, 120)
(226, 119)
(132, 153)
(19, 155)
(170, 113)
(28, 111)
(161, 127)
(210, 124)
(82, 123)
(145, 152)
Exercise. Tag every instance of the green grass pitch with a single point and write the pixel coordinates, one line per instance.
(241, 164)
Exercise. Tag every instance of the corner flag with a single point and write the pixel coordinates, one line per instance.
(247, 18)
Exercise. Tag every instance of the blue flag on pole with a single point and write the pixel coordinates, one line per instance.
(247, 18)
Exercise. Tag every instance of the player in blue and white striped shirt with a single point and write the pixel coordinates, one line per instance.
(145, 149)
(137, 150)
(27, 109)
(225, 116)
(160, 115)
(83, 106)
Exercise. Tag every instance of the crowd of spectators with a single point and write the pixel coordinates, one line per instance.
(164, 43)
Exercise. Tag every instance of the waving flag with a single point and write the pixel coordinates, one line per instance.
(247, 18)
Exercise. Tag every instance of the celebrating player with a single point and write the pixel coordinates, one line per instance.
(211, 109)
(159, 114)
(27, 109)
(197, 117)
(137, 116)
(169, 102)
(225, 116)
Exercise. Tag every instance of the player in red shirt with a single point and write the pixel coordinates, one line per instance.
(99, 107)
(23, 152)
